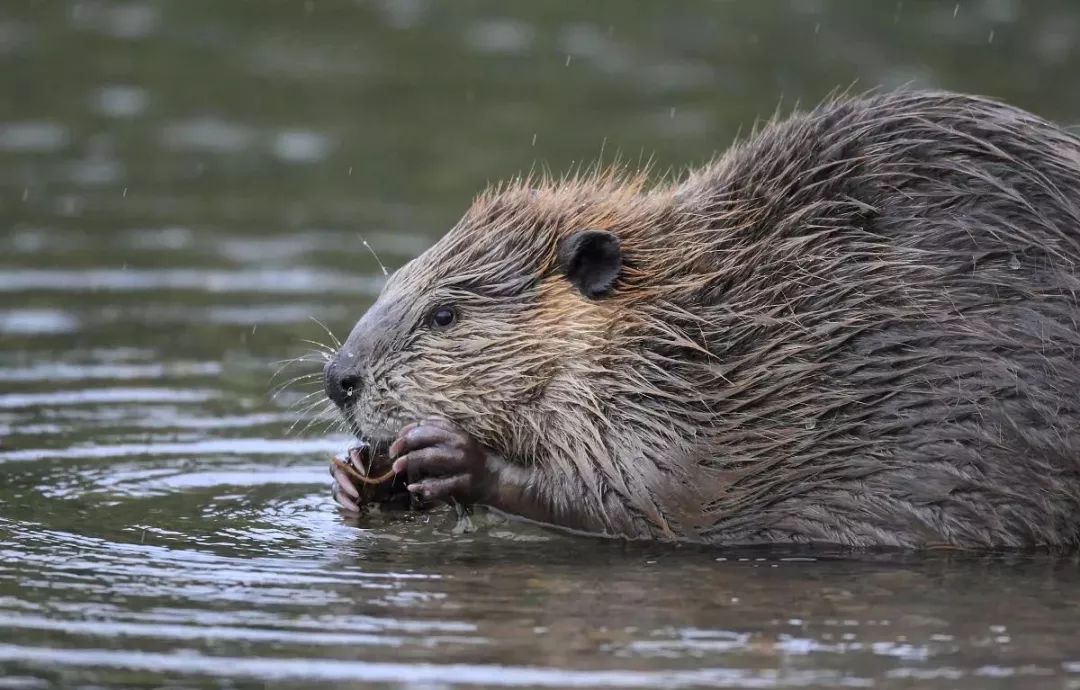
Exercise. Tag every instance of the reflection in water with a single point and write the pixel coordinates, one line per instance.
(185, 191)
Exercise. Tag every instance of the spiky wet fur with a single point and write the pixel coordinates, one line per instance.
(858, 326)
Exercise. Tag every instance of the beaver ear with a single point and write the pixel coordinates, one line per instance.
(591, 260)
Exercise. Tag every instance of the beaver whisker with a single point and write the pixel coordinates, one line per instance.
(280, 388)
(307, 397)
(323, 349)
(326, 412)
(375, 256)
(333, 338)
(282, 365)
(327, 418)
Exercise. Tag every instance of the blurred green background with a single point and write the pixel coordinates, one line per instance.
(270, 116)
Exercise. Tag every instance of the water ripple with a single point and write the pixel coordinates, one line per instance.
(281, 281)
(96, 396)
(493, 675)
(234, 446)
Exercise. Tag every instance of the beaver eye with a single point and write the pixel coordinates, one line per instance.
(443, 317)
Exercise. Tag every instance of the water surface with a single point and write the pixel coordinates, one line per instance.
(184, 192)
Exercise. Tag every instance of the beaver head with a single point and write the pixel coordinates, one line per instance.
(514, 324)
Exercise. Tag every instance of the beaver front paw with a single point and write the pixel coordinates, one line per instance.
(442, 462)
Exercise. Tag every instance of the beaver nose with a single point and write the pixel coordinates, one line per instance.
(340, 386)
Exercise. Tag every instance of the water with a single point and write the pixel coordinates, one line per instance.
(184, 189)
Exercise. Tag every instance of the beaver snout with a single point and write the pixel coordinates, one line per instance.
(341, 381)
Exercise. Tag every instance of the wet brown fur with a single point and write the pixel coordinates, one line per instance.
(859, 326)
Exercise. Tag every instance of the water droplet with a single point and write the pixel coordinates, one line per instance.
(811, 423)
(1014, 262)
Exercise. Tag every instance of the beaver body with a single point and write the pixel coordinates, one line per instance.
(859, 326)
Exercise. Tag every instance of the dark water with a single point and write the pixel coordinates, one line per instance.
(183, 191)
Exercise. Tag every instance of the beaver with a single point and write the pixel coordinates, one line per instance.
(858, 326)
